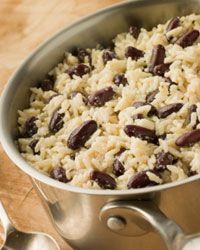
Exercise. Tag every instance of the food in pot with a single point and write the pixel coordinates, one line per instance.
(122, 117)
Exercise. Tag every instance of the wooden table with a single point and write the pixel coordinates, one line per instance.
(24, 24)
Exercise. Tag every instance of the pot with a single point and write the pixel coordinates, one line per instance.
(140, 219)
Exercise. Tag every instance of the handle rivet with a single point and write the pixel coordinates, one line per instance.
(116, 223)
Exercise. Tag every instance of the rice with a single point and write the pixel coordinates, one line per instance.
(143, 163)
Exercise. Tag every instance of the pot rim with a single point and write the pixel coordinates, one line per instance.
(14, 155)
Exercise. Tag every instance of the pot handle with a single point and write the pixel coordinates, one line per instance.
(134, 218)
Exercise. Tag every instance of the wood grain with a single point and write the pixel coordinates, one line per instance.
(24, 24)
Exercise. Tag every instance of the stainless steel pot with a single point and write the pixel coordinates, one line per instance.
(105, 219)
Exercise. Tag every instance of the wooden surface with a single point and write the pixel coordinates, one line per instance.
(24, 24)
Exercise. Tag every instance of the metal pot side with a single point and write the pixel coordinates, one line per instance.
(74, 211)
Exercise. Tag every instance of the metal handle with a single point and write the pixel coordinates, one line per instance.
(5, 220)
(134, 218)
(191, 242)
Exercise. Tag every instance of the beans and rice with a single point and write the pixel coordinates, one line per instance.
(121, 117)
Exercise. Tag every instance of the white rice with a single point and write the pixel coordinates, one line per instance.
(99, 151)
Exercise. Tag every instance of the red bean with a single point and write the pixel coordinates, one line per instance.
(161, 69)
(134, 53)
(30, 127)
(163, 159)
(162, 136)
(118, 168)
(72, 157)
(141, 132)
(174, 23)
(169, 109)
(120, 79)
(82, 54)
(134, 31)
(157, 57)
(188, 38)
(192, 173)
(138, 116)
(152, 111)
(193, 109)
(33, 144)
(59, 174)
(56, 122)
(151, 96)
(79, 70)
(140, 180)
(189, 138)
(122, 149)
(108, 55)
(47, 84)
(100, 97)
(104, 180)
(80, 135)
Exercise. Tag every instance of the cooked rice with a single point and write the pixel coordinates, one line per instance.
(99, 151)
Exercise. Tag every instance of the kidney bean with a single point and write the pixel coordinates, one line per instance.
(72, 156)
(189, 138)
(162, 137)
(30, 127)
(104, 180)
(118, 168)
(192, 173)
(152, 111)
(56, 122)
(100, 97)
(193, 109)
(163, 159)
(79, 70)
(140, 180)
(151, 96)
(80, 135)
(120, 79)
(122, 149)
(108, 55)
(134, 53)
(138, 116)
(81, 54)
(161, 69)
(169, 109)
(134, 31)
(46, 84)
(157, 57)
(59, 174)
(174, 23)
(84, 96)
(188, 38)
(33, 144)
(141, 132)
